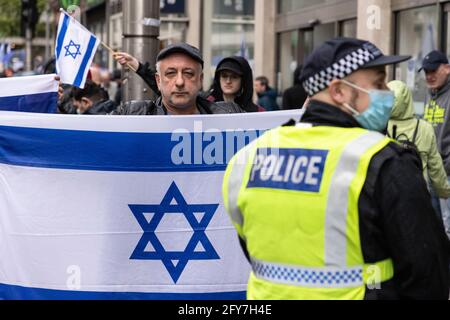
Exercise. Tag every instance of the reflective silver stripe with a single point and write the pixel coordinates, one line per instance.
(309, 277)
(235, 180)
(337, 206)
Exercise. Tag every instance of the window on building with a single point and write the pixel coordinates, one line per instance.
(293, 48)
(229, 29)
(231, 8)
(172, 32)
(348, 28)
(174, 22)
(447, 28)
(324, 32)
(416, 36)
(233, 29)
(287, 6)
(307, 44)
(115, 27)
(288, 58)
(102, 56)
(230, 39)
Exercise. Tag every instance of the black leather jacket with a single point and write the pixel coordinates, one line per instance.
(157, 108)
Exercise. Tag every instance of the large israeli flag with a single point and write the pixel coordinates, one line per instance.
(120, 207)
(75, 49)
(29, 94)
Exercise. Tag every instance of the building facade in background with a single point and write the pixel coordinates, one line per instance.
(277, 35)
(219, 27)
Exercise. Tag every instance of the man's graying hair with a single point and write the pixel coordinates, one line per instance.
(158, 67)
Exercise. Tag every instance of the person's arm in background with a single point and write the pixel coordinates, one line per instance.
(143, 70)
(415, 237)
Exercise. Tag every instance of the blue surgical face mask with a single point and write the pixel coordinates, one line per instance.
(376, 116)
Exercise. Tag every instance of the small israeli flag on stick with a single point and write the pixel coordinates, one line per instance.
(75, 49)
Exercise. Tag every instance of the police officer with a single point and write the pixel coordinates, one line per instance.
(330, 208)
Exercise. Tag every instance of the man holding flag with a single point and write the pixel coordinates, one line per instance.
(179, 74)
(75, 50)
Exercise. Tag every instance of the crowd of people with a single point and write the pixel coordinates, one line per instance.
(397, 220)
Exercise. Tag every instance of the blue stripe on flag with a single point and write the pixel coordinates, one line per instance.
(87, 55)
(108, 151)
(10, 292)
(62, 35)
(37, 103)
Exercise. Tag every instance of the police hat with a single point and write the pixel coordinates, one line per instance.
(340, 57)
(181, 47)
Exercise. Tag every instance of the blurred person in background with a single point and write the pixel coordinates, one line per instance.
(267, 97)
(233, 82)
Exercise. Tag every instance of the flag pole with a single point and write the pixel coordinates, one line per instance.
(113, 53)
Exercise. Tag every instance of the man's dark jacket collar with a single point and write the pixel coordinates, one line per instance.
(322, 114)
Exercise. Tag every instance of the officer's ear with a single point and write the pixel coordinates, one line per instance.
(337, 92)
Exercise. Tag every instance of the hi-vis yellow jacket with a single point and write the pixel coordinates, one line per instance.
(293, 197)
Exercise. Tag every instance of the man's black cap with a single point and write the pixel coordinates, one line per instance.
(340, 57)
(433, 60)
(230, 65)
(181, 47)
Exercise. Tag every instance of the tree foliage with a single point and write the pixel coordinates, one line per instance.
(10, 13)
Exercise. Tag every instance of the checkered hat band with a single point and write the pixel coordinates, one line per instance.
(309, 277)
(338, 70)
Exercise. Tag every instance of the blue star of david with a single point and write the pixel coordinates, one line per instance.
(70, 52)
(198, 237)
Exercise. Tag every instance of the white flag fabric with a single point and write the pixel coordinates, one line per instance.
(121, 207)
(75, 49)
(29, 94)
(2, 53)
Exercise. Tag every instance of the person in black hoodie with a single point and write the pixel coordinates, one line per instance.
(233, 82)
